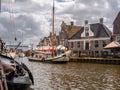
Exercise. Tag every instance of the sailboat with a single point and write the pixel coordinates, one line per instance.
(61, 58)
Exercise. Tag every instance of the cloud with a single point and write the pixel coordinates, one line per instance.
(32, 18)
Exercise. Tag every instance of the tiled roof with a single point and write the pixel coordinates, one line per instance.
(100, 30)
(113, 44)
(72, 30)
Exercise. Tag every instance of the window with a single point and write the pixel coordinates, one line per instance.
(96, 43)
(71, 44)
(86, 31)
(78, 44)
(87, 46)
(104, 43)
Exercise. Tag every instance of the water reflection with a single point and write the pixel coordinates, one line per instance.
(75, 76)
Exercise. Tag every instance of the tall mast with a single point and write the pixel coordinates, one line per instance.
(53, 12)
(0, 6)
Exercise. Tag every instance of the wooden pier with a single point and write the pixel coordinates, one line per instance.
(95, 60)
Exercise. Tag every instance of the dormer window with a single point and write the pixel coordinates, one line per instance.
(86, 31)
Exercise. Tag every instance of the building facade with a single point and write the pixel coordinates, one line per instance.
(90, 40)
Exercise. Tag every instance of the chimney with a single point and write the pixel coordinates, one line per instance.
(72, 23)
(86, 22)
(101, 20)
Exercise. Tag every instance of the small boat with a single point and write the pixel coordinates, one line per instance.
(19, 79)
(63, 58)
(10, 53)
(36, 57)
(47, 57)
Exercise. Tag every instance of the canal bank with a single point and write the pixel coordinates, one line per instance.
(96, 60)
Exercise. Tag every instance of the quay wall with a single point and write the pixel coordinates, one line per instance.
(95, 60)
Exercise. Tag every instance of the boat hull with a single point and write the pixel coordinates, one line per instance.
(63, 58)
(57, 59)
(35, 59)
(19, 83)
(18, 86)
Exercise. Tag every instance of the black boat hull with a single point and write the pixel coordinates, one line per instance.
(21, 79)
(18, 86)
(19, 83)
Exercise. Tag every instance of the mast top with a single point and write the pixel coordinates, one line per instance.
(0, 6)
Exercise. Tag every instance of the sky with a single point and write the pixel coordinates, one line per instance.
(30, 20)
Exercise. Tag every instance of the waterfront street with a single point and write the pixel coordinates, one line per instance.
(74, 76)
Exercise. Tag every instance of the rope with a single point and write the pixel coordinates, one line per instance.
(12, 18)
(12, 22)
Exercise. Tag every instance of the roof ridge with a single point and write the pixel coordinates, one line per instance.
(75, 26)
(106, 29)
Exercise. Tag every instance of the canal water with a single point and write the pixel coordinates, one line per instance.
(74, 76)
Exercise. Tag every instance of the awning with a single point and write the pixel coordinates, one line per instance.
(112, 45)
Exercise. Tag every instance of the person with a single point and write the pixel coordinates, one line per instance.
(5, 70)
(6, 67)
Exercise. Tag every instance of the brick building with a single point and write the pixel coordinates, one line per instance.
(67, 31)
(116, 28)
(89, 39)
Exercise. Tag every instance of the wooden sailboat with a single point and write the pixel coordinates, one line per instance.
(62, 58)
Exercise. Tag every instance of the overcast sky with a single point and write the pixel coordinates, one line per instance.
(31, 19)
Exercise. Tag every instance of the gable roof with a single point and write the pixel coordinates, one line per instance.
(72, 30)
(100, 30)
